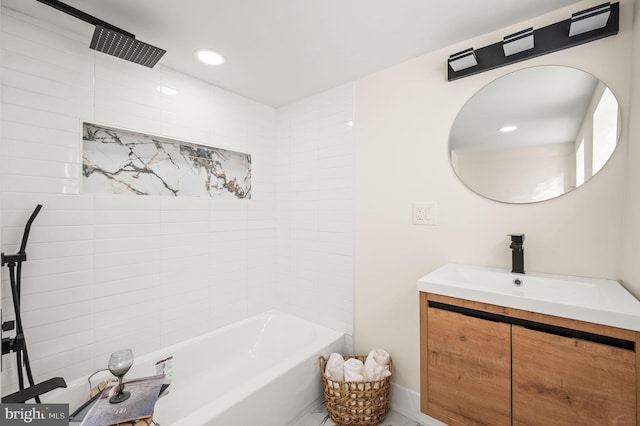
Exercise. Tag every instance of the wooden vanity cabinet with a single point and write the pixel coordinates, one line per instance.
(565, 381)
(469, 362)
(483, 364)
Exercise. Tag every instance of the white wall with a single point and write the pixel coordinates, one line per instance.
(629, 255)
(403, 116)
(1, 61)
(315, 208)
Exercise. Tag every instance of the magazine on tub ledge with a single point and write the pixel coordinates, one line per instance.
(144, 394)
(145, 391)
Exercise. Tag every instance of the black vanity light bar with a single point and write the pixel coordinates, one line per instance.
(597, 22)
(590, 19)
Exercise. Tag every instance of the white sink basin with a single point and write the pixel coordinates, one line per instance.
(586, 299)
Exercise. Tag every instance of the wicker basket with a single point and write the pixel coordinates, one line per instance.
(355, 403)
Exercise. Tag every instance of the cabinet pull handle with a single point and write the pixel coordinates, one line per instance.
(537, 326)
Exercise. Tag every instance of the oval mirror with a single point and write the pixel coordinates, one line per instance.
(534, 134)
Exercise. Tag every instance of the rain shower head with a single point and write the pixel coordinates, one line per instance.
(112, 40)
(116, 44)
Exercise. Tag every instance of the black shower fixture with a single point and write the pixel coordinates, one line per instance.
(112, 40)
(18, 343)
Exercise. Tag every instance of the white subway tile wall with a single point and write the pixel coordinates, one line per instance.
(107, 272)
(314, 171)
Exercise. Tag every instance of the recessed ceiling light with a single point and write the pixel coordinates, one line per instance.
(209, 57)
(166, 90)
(506, 129)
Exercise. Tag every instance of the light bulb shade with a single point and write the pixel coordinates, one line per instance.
(463, 60)
(590, 19)
(518, 42)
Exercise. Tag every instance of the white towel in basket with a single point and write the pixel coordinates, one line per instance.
(354, 370)
(335, 367)
(377, 365)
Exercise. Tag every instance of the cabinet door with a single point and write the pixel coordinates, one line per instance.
(565, 381)
(469, 364)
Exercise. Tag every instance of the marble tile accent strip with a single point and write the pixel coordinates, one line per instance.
(118, 161)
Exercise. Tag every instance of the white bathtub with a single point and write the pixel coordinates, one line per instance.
(262, 370)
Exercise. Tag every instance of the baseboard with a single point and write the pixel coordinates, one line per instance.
(407, 402)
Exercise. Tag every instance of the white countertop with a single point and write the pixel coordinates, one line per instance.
(592, 300)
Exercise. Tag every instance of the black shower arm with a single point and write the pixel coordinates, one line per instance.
(27, 228)
(69, 10)
(21, 256)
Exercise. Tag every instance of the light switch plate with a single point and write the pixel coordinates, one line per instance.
(424, 213)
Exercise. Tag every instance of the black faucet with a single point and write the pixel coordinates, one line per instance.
(517, 253)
